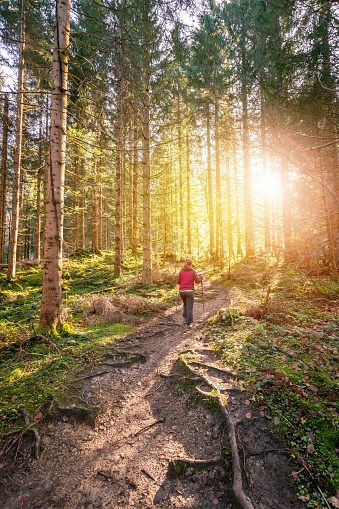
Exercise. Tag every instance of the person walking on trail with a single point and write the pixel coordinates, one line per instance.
(186, 279)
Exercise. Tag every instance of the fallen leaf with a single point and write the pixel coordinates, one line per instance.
(4, 480)
(4, 402)
(276, 421)
(65, 418)
(310, 448)
(2, 465)
(22, 385)
(334, 501)
(304, 499)
(262, 414)
(268, 416)
(37, 416)
(247, 402)
(249, 415)
(14, 398)
(295, 475)
(310, 436)
(313, 388)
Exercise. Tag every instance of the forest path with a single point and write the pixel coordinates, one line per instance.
(145, 422)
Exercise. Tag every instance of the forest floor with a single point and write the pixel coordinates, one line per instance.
(133, 410)
(126, 456)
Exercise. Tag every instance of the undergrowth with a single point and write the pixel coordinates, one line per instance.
(100, 308)
(290, 362)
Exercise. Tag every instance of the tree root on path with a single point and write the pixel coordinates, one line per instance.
(29, 427)
(243, 501)
(215, 368)
(197, 463)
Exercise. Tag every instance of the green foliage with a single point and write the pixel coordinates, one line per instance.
(290, 365)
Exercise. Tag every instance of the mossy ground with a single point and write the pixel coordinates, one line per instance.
(290, 362)
(30, 371)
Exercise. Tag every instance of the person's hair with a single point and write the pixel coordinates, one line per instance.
(188, 262)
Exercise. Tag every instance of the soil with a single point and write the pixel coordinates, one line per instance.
(124, 455)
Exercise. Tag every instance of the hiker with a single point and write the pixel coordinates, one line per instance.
(186, 279)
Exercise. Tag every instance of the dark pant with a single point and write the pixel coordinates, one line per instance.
(188, 300)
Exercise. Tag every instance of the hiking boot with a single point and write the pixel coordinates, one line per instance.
(189, 326)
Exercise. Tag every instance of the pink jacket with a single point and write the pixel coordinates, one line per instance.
(186, 278)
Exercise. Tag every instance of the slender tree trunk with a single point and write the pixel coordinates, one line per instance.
(287, 214)
(248, 204)
(229, 212)
(218, 219)
(3, 185)
(188, 185)
(14, 232)
(118, 228)
(146, 161)
(38, 196)
(135, 183)
(75, 221)
(51, 303)
(83, 206)
(265, 174)
(181, 205)
(94, 208)
(237, 216)
(209, 185)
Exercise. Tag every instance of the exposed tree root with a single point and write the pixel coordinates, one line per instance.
(215, 368)
(145, 428)
(17, 441)
(237, 488)
(95, 374)
(81, 414)
(171, 375)
(197, 463)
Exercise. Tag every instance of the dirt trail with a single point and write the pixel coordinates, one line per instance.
(144, 423)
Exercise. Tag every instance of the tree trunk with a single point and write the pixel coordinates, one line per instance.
(14, 232)
(3, 185)
(265, 175)
(94, 208)
(75, 221)
(38, 196)
(146, 162)
(229, 212)
(248, 205)
(287, 214)
(189, 233)
(51, 303)
(209, 185)
(135, 183)
(83, 206)
(181, 204)
(118, 227)
(218, 216)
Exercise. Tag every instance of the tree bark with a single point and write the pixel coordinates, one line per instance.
(209, 185)
(3, 185)
(135, 183)
(181, 204)
(118, 226)
(14, 232)
(218, 218)
(287, 214)
(38, 196)
(51, 303)
(188, 185)
(146, 160)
